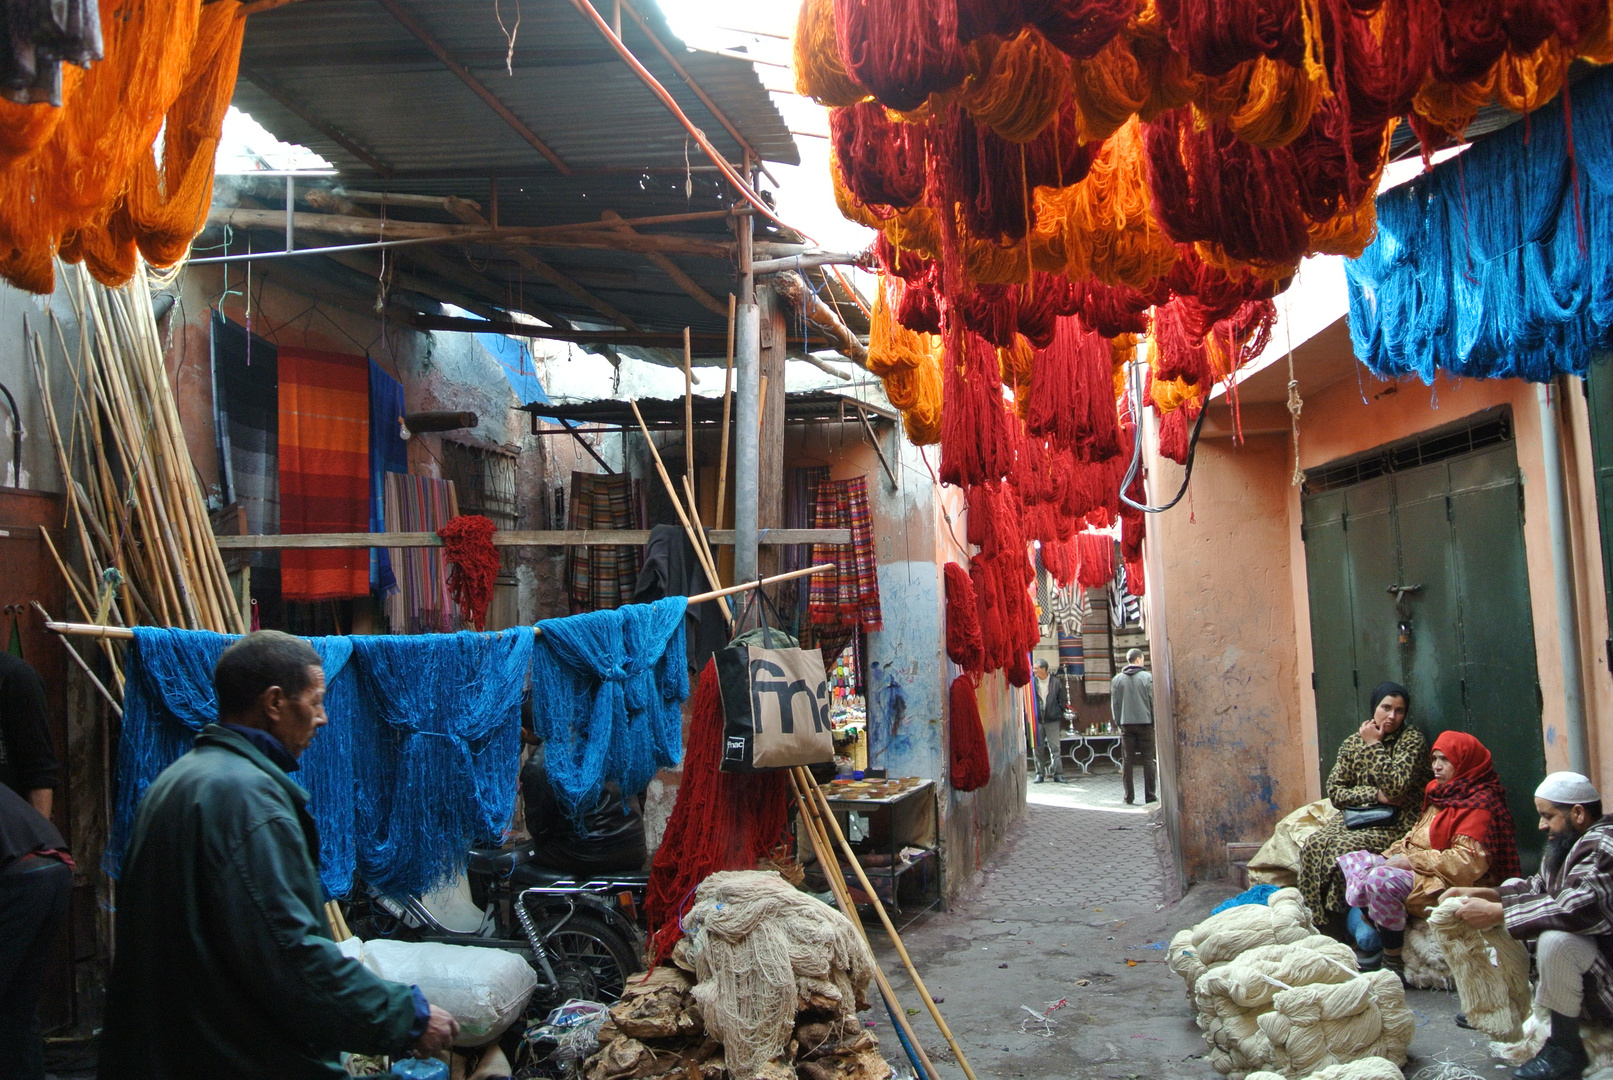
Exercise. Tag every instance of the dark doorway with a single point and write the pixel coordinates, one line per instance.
(1441, 517)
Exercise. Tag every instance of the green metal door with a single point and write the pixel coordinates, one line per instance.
(1459, 637)
(1599, 399)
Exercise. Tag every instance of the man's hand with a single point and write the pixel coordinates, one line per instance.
(1399, 862)
(441, 1031)
(1370, 733)
(1480, 914)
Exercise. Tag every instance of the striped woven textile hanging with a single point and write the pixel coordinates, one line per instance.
(421, 604)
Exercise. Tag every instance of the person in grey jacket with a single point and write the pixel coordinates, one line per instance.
(1131, 702)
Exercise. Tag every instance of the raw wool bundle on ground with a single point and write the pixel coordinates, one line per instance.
(1313, 1027)
(1598, 1042)
(1277, 861)
(1426, 966)
(1233, 997)
(762, 953)
(1283, 919)
(1492, 970)
(1372, 1068)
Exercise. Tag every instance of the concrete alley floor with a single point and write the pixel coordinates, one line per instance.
(1072, 909)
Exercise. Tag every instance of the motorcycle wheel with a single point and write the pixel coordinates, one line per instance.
(591, 961)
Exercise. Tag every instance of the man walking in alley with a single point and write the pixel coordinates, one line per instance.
(224, 964)
(1131, 703)
(1051, 702)
(1568, 908)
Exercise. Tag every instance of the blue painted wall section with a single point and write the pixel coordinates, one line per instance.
(907, 711)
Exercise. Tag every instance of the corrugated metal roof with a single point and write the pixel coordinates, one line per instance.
(327, 72)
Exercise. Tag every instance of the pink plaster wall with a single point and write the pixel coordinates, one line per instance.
(1237, 609)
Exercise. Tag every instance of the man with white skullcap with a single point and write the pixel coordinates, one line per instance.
(1568, 907)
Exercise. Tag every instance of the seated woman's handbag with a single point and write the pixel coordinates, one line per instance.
(775, 701)
(1368, 816)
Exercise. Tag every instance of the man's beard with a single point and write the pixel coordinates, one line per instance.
(1558, 845)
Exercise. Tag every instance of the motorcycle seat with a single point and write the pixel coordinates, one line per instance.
(535, 875)
(496, 861)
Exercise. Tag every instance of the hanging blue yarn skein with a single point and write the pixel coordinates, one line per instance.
(1497, 264)
(168, 698)
(607, 691)
(437, 751)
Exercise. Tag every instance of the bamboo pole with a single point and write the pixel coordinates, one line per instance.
(677, 504)
(896, 939)
(706, 558)
(99, 685)
(842, 895)
(124, 633)
(727, 408)
(688, 418)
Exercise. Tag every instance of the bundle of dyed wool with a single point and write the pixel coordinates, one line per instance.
(1426, 966)
(762, 952)
(721, 821)
(1490, 968)
(964, 647)
(1072, 395)
(1281, 920)
(469, 551)
(436, 706)
(966, 744)
(975, 444)
(881, 160)
(81, 180)
(1097, 566)
(901, 50)
(819, 74)
(607, 692)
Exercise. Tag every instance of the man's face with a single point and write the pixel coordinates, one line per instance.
(1561, 821)
(293, 719)
(1041, 671)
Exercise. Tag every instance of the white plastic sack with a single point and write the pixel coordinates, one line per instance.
(484, 988)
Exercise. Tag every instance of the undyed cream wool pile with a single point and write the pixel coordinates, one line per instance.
(762, 951)
(1491, 970)
(1271, 993)
(1372, 1068)
(1221, 938)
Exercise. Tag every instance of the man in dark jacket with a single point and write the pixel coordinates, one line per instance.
(1051, 702)
(224, 966)
(1131, 703)
(27, 759)
(36, 876)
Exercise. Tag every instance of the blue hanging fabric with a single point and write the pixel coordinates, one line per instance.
(1497, 263)
(168, 698)
(436, 752)
(388, 453)
(607, 695)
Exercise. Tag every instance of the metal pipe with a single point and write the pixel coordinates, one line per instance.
(747, 409)
(260, 256)
(1563, 575)
(16, 440)
(809, 259)
(291, 202)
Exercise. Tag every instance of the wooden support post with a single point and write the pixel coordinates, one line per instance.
(770, 451)
(727, 408)
(688, 417)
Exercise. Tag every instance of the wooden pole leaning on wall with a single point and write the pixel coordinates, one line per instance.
(688, 418)
(842, 894)
(827, 814)
(677, 504)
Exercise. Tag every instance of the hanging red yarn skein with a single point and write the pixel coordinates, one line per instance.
(721, 821)
(901, 50)
(468, 548)
(967, 752)
(974, 437)
(964, 647)
(881, 160)
(1097, 560)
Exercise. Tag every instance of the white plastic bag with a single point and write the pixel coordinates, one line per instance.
(484, 988)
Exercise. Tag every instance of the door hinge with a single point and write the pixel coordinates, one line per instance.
(1540, 698)
(1450, 509)
(1313, 680)
(1464, 693)
(1355, 679)
(1344, 522)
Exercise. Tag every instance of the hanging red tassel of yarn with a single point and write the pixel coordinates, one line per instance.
(1180, 353)
(721, 820)
(1173, 431)
(974, 438)
(964, 647)
(967, 752)
(1136, 583)
(1080, 28)
(1072, 392)
(1111, 310)
(469, 551)
(901, 50)
(1218, 35)
(1097, 560)
(990, 178)
(1210, 186)
(1061, 561)
(881, 160)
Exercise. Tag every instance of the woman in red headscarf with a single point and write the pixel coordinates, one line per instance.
(1464, 837)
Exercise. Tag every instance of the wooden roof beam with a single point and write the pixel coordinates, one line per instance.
(671, 269)
(463, 210)
(477, 86)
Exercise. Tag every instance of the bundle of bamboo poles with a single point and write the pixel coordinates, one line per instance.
(146, 551)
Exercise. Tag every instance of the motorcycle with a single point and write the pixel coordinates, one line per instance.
(581, 935)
